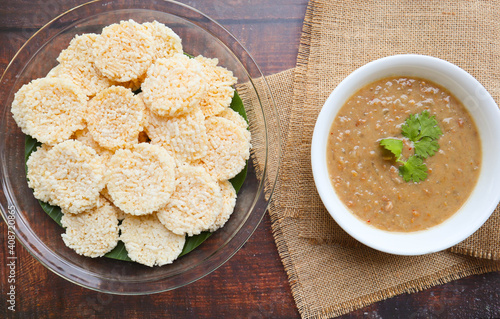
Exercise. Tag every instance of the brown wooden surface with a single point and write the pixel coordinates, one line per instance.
(253, 283)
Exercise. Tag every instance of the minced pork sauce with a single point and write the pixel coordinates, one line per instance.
(366, 177)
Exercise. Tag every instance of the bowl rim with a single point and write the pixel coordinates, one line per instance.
(264, 192)
(382, 240)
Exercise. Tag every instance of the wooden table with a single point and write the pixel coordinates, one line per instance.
(253, 283)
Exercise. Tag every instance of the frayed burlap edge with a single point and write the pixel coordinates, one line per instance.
(439, 278)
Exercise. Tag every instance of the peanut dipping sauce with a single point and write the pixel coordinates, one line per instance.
(366, 177)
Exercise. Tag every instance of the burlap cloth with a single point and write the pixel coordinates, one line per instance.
(329, 272)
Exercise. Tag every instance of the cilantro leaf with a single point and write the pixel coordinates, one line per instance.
(413, 169)
(426, 147)
(428, 126)
(411, 128)
(421, 125)
(423, 130)
(394, 146)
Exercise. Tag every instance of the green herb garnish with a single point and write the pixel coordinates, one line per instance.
(393, 145)
(423, 130)
(413, 169)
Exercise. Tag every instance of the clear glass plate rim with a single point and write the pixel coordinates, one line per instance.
(50, 265)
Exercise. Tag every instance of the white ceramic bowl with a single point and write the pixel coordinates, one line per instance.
(485, 196)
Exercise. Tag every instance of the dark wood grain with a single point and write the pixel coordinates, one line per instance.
(253, 283)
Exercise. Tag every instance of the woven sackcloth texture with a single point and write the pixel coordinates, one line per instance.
(331, 279)
(329, 272)
(339, 37)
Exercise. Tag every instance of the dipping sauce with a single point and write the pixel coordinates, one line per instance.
(367, 179)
